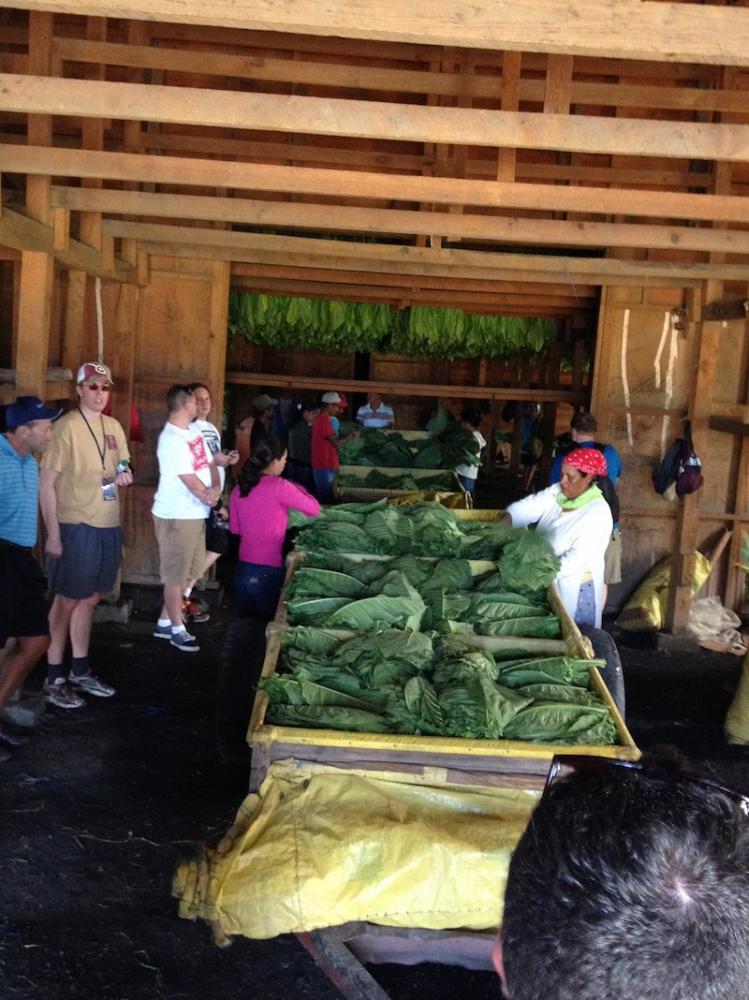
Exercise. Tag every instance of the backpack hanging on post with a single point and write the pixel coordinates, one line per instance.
(689, 477)
(679, 467)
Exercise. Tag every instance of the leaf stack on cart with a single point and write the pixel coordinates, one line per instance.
(427, 626)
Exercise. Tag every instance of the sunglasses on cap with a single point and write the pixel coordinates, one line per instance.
(96, 386)
(565, 765)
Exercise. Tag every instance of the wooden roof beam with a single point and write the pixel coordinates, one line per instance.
(23, 233)
(413, 81)
(340, 218)
(630, 29)
(308, 251)
(373, 119)
(365, 184)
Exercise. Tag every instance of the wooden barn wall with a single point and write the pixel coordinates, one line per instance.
(642, 392)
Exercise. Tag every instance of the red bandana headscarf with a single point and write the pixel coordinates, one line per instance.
(591, 461)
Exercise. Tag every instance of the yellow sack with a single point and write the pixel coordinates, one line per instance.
(319, 846)
(646, 608)
(736, 725)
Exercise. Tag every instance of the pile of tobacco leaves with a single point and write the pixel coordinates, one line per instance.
(401, 681)
(378, 480)
(455, 445)
(393, 612)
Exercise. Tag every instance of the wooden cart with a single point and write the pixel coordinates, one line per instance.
(342, 951)
(349, 493)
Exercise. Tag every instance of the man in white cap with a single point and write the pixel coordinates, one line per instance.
(324, 445)
(84, 468)
(28, 429)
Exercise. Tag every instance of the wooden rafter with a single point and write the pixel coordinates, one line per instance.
(308, 251)
(372, 119)
(364, 184)
(499, 229)
(670, 32)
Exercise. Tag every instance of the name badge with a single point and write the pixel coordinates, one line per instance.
(108, 489)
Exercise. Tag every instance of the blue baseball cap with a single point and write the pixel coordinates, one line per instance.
(27, 409)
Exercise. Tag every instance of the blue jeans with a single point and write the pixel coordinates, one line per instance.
(468, 484)
(258, 589)
(324, 483)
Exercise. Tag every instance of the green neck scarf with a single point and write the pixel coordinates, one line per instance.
(592, 493)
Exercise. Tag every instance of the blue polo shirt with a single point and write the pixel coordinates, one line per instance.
(19, 495)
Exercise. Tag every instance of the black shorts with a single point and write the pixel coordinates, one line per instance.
(216, 535)
(22, 595)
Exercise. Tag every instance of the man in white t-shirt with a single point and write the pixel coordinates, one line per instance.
(217, 522)
(189, 485)
(375, 414)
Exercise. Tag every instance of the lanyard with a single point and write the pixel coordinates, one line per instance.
(100, 451)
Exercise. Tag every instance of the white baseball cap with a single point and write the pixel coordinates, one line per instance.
(331, 397)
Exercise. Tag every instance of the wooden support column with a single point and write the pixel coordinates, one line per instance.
(35, 304)
(73, 340)
(511, 64)
(700, 404)
(93, 138)
(39, 129)
(121, 323)
(218, 335)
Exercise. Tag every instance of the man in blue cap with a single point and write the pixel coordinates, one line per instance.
(28, 424)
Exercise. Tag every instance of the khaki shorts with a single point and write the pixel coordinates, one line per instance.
(181, 549)
(612, 559)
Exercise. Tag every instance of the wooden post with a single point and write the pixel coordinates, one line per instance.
(687, 520)
(35, 307)
(73, 341)
(218, 335)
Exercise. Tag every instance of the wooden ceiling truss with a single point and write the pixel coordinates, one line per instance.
(514, 164)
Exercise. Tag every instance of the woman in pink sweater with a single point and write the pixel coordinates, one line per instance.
(258, 512)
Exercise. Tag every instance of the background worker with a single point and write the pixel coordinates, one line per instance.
(583, 431)
(468, 474)
(576, 521)
(28, 424)
(299, 465)
(375, 413)
(324, 446)
(82, 472)
(217, 522)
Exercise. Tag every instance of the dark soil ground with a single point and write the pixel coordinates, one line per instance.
(97, 810)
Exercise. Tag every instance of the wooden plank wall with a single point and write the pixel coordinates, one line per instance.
(641, 410)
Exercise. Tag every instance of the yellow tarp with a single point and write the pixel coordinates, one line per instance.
(320, 846)
(737, 720)
(646, 608)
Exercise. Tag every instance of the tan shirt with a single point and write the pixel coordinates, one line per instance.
(78, 458)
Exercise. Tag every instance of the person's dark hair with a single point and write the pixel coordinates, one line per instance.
(176, 397)
(472, 417)
(306, 406)
(269, 449)
(584, 423)
(198, 385)
(629, 884)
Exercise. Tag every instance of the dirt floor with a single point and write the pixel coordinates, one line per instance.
(98, 808)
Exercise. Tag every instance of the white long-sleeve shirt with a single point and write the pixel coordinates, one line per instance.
(579, 537)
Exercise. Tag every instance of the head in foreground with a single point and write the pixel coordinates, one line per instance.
(630, 883)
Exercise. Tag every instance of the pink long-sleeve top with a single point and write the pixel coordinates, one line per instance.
(261, 517)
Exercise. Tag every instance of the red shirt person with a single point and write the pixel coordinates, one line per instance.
(324, 445)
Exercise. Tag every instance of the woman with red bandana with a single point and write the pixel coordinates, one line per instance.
(576, 521)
